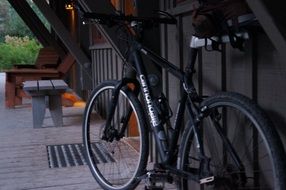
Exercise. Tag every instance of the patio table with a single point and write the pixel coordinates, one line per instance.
(46, 93)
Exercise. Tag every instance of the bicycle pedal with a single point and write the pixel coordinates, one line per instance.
(207, 180)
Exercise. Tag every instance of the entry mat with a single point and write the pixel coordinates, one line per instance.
(68, 155)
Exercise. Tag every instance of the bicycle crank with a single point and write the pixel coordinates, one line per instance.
(155, 180)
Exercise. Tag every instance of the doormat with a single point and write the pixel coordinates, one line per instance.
(68, 155)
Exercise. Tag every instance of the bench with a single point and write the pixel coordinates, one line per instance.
(46, 93)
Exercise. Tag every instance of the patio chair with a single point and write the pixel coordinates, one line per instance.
(47, 58)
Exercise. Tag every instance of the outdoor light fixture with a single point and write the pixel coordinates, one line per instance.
(69, 6)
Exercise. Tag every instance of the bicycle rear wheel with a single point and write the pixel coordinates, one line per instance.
(244, 149)
(116, 161)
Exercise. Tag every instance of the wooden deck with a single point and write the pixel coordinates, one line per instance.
(24, 163)
(23, 154)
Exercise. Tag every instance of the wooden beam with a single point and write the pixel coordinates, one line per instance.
(34, 23)
(30, 20)
(63, 33)
(271, 24)
(110, 34)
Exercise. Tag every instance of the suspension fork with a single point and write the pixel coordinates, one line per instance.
(136, 91)
(112, 106)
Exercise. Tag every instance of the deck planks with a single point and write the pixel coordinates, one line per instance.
(23, 155)
(24, 163)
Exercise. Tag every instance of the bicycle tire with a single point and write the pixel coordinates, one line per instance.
(264, 164)
(115, 164)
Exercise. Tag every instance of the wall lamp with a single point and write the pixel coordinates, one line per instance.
(69, 6)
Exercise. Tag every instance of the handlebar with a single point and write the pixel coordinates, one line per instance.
(111, 18)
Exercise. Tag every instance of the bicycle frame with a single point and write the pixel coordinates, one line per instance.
(200, 168)
(166, 145)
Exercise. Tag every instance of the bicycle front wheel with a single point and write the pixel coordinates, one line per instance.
(244, 149)
(116, 161)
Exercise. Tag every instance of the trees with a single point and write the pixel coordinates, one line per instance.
(17, 43)
(3, 14)
(12, 24)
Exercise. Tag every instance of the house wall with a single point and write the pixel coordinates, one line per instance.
(258, 72)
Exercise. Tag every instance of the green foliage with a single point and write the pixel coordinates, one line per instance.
(12, 24)
(3, 16)
(21, 48)
(18, 50)
(15, 26)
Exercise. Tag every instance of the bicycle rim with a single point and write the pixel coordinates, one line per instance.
(116, 163)
(255, 155)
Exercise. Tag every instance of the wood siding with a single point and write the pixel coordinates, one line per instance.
(106, 65)
(258, 72)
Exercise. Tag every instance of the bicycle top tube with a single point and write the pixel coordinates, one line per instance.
(145, 22)
(112, 18)
(162, 62)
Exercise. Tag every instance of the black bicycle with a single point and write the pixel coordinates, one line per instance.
(224, 141)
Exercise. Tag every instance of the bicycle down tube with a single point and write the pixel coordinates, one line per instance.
(160, 135)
